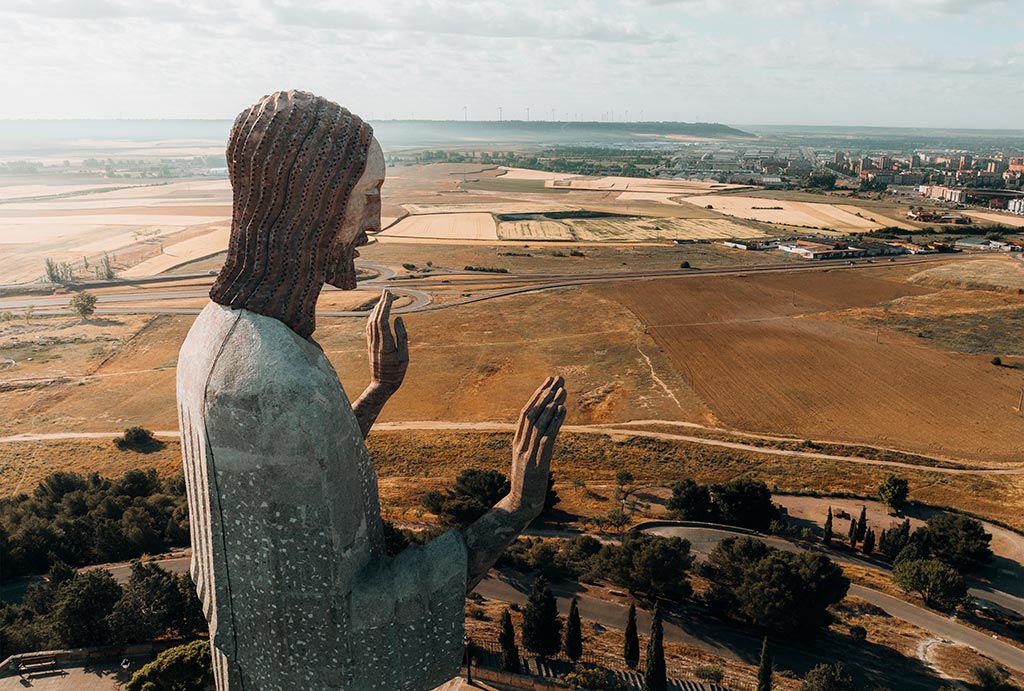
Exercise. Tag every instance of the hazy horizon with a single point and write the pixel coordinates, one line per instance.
(915, 63)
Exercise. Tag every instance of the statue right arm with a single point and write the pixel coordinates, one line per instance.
(539, 423)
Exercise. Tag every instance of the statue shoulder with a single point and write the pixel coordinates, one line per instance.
(261, 355)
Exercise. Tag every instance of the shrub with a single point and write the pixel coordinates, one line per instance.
(827, 677)
(858, 633)
(710, 673)
(136, 439)
(181, 668)
(997, 361)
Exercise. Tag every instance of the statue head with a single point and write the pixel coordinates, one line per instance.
(305, 176)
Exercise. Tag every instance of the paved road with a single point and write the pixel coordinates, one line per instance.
(702, 541)
(422, 301)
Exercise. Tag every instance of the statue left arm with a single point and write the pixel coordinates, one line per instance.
(389, 357)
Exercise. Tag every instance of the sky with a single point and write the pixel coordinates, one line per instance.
(899, 63)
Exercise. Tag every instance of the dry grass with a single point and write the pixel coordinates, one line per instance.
(1005, 275)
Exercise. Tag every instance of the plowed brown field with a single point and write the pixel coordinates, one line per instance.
(748, 348)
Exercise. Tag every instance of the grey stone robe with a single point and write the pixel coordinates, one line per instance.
(286, 533)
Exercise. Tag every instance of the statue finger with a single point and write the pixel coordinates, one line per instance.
(401, 338)
(524, 414)
(547, 443)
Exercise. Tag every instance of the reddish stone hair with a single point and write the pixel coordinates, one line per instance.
(293, 159)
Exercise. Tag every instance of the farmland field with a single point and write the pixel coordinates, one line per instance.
(90, 224)
(625, 229)
(842, 217)
(755, 355)
(452, 226)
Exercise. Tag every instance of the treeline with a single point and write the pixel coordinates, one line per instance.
(89, 608)
(88, 519)
(741, 502)
(783, 592)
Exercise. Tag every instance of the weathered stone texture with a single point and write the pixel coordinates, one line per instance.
(287, 537)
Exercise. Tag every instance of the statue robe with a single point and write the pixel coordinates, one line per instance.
(287, 540)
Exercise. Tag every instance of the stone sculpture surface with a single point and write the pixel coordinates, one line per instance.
(288, 548)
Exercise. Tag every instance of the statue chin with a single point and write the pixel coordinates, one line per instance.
(343, 276)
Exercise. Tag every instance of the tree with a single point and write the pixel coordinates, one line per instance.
(781, 591)
(551, 498)
(852, 534)
(654, 662)
(183, 668)
(690, 501)
(83, 304)
(869, 542)
(745, 502)
(960, 541)
(892, 540)
(573, 633)
(993, 678)
(507, 640)
(938, 585)
(862, 524)
(82, 607)
(894, 491)
(631, 644)
(541, 626)
(827, 677)
(623, 477)
(827, 537)
(764, 668)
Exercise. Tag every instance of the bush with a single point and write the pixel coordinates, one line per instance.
(997, 361)
(137, 439)
(186, 667)
(709, 673)
(828, 678)
(409, 267)
(858, 633)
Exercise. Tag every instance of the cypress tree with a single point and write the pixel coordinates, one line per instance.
(541, 627)
(573, 645)
(654, 663)
(631, 647)
(853, 534)
(764, 669)
(827, 538)
(862, 524)
(869, 542)
(507, 641)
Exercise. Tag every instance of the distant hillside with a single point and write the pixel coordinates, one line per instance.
(51, 136)
(542, 132)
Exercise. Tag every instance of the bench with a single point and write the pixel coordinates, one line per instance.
(32, 663)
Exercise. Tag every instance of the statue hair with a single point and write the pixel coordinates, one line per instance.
(293, 159)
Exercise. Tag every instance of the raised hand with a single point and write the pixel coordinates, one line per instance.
(388, 353)
(389, 358)
(539, 422)
(538, 427)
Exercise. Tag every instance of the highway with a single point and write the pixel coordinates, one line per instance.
(419, 290)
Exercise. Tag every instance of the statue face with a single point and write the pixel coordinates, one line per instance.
(362, 216)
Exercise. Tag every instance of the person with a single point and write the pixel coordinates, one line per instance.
(288, 548)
